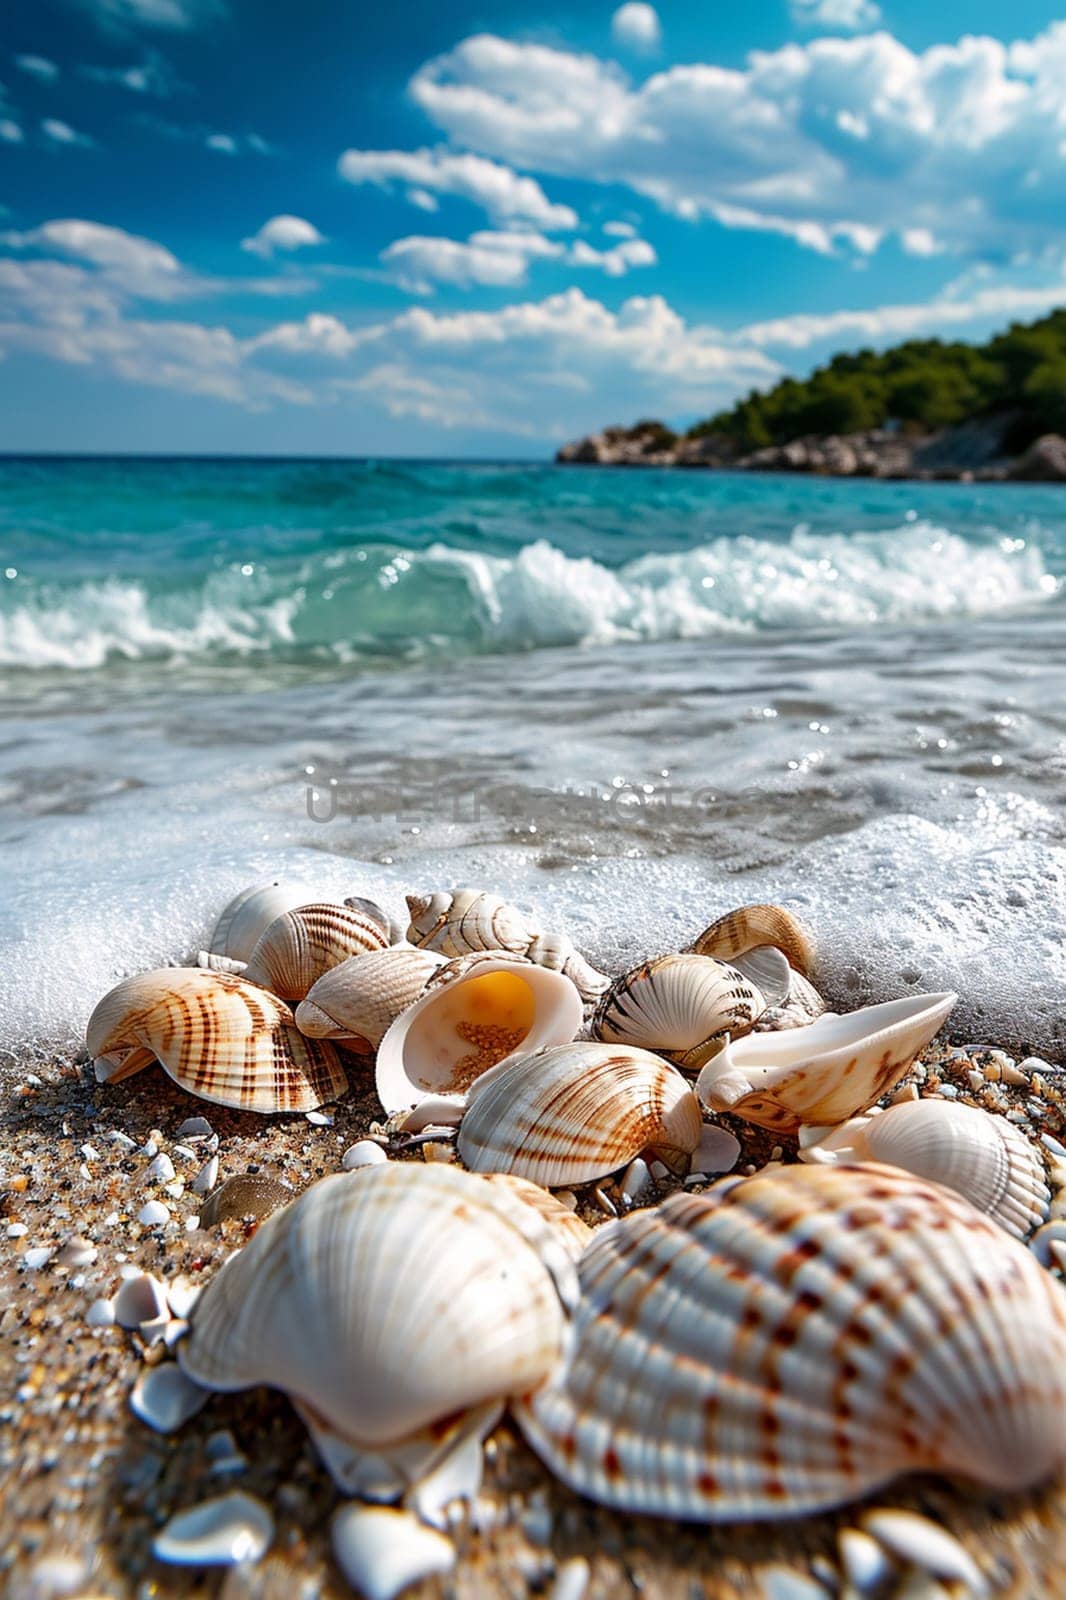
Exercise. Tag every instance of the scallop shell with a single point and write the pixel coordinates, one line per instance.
(981, 1156)
(473, 1014)
(683, 1005)
(751, 926)
(217, 1036)
(823, 1073)
(299, 946)
(459, 921)
(792, 1340)
(574, 1233)
(574, 1113)
(385, 1302)
(249, 914)
(359, 1000)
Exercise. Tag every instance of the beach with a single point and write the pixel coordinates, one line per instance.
(630, 702)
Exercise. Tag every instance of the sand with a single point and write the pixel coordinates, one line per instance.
(86, 1485)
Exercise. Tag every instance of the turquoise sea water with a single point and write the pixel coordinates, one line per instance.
(629, 699)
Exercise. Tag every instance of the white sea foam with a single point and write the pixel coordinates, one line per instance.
(373, 603)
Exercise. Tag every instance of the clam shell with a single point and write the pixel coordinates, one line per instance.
(360, 999)
(217, 1036)
(387, 1301)
(751, 926)
(679, 1004)
(792, 1340)
(823, 1073)
(299, 946)
(982, 1156)
(250, 913)
(474, 1014)
(460, 921)
(574, 1233)
(577, 1112)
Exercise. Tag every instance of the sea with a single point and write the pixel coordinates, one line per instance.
(628, 700)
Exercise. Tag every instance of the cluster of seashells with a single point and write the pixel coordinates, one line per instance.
(783, 1342)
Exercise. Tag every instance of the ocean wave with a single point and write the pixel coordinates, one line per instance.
(377, 603)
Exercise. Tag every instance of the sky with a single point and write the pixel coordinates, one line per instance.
(263, 226)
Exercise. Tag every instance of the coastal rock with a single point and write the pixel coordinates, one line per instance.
(1044, 461)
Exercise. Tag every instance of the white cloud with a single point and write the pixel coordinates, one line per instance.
(178, 16)
(620, 230)
(423, 200)
(498, 259)
(38, 67)
(129, 262)
(500, 191)
(636, 26)
(10, 132)
(282, 233)
(850, 16)
(62, 134)
(224, 142)
(229, 144)
(834, 142)
(152, 76)
(617, 261)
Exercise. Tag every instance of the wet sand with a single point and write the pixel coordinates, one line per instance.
(87, 1486)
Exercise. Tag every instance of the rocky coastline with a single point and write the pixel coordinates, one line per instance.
(969, 453)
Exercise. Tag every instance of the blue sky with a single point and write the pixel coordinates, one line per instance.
(263, 226)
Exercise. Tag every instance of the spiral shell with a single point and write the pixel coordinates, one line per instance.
(299, 946)
(823, 1073)
(360, 999)
(790, 1341)
(979, 1155)
(574, 1113)
(751, 926)
(217, 1036)
(683, 1005)
(474, 1013)
(459, 921)
(387, 1301)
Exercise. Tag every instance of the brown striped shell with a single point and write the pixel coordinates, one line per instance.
(825, 1072)
(360, 999)
(250, 914)
(682, 1005)
(217, 1036)
(459, 922)
(751, 926)
(790, 1341)
(573, 1113)
(300, 945)
(574, 1233)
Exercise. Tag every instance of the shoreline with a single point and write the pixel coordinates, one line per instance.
(89, 1485)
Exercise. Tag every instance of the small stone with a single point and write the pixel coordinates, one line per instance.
(38, 1257)
(217, 1533)
(571, 1580)
(101, 1314)
(77, 1252)
(780, 1582)
(382, 1552)
(90, 1152)
(320, 1119)
(161, 1170)
(364, 1153)
(153, 1215)
(17, 1230)
(908, 1092)
(926, 1545)
(567, 1198)
(165, 1398)
(206, 1178)
(717, 1151)
(195, 1128)
(141, 1298)
(123, 1140)
(435, 1150)
(636, 1179)
(865, 1563)
(182, 1295)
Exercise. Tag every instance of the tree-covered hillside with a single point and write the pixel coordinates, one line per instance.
(922, 385)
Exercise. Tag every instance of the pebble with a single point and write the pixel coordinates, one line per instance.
(182, 1295)
(217, 1533)
(37, 1257)
(604, 1201)
(717, 1151)
(382, 1552)
(161, 1170)
(90, 1152)
(364, 1153)
(785, 1583)
(434, 1150)
(77, 1252)
(123, 1140)
(636, 1180)
(17, 1230)
(571, 1580)
(865, 1563)
(206, 1178)
(926, 1545)
(55, 1576)
(165, 1398)
(908, 1092)
(320, 1119)
(195, 1128)
(153, 1214)
(141, 1298)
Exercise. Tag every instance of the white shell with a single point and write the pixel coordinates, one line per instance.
(165, 1398)
(361, 1298)
(823, 1073)
(683, 1005)
(141, 1298)
(982, 1156)
(790, 1341)
(577, 1112)
(458, 922)
(250, 913)
(233, 1528)
(490, 1010)
(363, 1153)
(802, 1003)
(299, 946)
(750, 927)
(361, 998)
(382, 1552)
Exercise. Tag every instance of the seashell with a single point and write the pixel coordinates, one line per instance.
(217, 1036)
(802, 1003)
(577, 1112)
(359, 1000)
(474, 1014)
(359, 1301)
(246, 1194)
(574, 1233)
(823, 1073)
(382, 1551)
(249, 914)
(299, 946)
(461, 921)
(791, 1341)
(164, 1398)
(235, 1527)
(751, 926)
(683, 1005)
(976, 1153)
